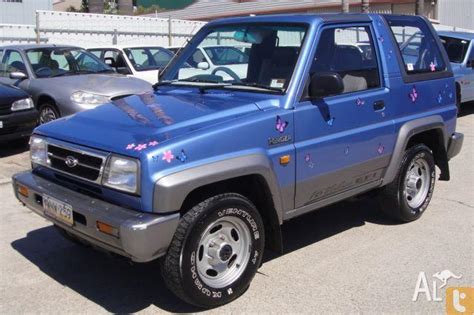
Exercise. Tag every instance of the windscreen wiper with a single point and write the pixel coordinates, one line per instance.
(257, 85)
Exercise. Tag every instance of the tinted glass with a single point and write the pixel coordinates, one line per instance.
(255, 56)
(455, 47)
(350, 53)
(148, 58)
(54, 61)
(417, 44)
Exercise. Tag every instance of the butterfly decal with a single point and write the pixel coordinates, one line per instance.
(330, 122)
(182, 157)
(308, 160)
(432, 67)
(413, 95)
(380, 38)
(380, 149)
(346, 151)
(359, 101)
(280, 125)
(153, 143)
(130, 146)
(439, 98)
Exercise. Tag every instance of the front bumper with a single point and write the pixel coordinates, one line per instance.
(18, 124)
(141, 236)
(455, 144)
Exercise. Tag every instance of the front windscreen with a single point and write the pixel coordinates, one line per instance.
(254, 56)
(57, 61)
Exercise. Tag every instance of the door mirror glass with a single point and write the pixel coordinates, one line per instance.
(324, 84)
(122, 70)
(18, 75)
(203, 65)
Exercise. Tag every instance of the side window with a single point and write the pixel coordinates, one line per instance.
(13, 63)
(96, 53)
(418, 47)
(196, 58)
(349, 52)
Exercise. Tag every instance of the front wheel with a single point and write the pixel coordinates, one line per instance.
(215, 252)
(407, 197)
(47, 112)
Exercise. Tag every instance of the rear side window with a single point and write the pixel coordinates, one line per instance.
(418, 47)
(350, 52)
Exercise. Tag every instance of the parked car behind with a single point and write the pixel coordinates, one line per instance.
(460, 49)
(18, 116)
(227, 61)
(64, 80)
(140, 62)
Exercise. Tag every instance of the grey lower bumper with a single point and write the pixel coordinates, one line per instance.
(142, 237)
(455, 144)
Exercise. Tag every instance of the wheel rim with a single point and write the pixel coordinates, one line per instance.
(223, 252)
(417, 183)
(47, 114)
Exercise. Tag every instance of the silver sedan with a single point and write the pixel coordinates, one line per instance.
(63, 80)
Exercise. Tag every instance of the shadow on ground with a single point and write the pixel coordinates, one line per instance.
(121, 287)
(13, 147)
(466, 109)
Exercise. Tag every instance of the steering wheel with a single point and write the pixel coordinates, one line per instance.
(231, 73)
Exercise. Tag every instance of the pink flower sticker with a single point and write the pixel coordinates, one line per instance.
(432, 67)
(168, 156)
(130, 146)
(141, 146)
(153, 143)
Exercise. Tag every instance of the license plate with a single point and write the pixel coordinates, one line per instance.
(58, 210)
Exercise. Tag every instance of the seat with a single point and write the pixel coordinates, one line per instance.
(17, 66)
(352, 69)
(279, 66)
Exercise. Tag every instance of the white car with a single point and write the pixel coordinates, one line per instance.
(135, 61)
(215, 60)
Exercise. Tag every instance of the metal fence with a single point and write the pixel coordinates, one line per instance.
(83, 29)
(87, 30)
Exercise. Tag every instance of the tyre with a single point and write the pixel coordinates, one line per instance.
(408, 196)
(47, 112)
(215, 252)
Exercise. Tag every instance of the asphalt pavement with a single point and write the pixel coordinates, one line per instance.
(345, 258)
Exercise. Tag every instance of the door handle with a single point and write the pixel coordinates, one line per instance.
(379, 105)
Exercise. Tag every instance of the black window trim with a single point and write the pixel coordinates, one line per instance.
(304, 95)
(416, 77)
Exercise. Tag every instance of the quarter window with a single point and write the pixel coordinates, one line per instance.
(13, 63)
(418, 47)
(350, 52)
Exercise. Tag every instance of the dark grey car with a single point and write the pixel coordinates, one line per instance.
(64, 80)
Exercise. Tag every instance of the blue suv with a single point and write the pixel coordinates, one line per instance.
(204, 171)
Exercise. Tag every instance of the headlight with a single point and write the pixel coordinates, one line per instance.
(121, 173)
(84, 98)
(38, 151)
(23, 104)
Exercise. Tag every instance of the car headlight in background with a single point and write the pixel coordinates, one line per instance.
(26, 103)
(121, 173)
(85, 98)
(38, 152)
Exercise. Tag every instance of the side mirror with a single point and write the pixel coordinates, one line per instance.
(109, 61)
(203, 65)
(18, 75)
(122, 70)
(324, 84)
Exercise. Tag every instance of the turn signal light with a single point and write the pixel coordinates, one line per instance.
(107, 229)
(284, 160)
(22, 190)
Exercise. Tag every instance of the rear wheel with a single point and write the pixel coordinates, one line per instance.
(48, 112)
(406, 198)
(215, 252)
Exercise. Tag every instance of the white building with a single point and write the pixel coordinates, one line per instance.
(22, 11)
